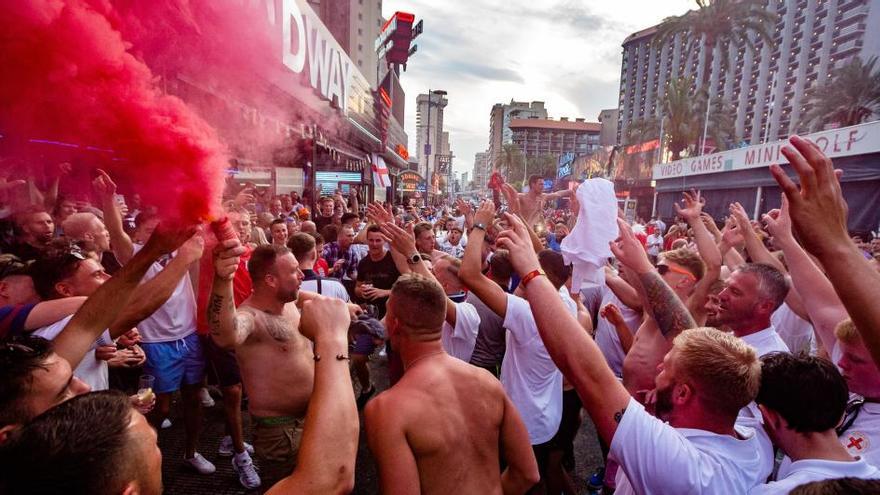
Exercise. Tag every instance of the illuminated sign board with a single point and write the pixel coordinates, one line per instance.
(410, 181)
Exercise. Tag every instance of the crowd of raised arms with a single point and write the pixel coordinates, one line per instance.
(714, 356)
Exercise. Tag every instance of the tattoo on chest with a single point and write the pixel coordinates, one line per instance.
(279, 328)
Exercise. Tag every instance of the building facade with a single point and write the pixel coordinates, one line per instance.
(432, 143)
(767, 87)
(481, 172)
(537, 137)
(499, 123)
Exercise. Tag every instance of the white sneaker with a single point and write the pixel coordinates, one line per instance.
(247, 472)
(166, 423)
(200, 464)
(226, 449)
(205, 398)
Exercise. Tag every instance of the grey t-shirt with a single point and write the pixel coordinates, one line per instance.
(489, 347)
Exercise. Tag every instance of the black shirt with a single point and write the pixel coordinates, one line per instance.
(382, 274)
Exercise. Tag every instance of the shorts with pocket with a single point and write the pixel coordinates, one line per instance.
(175, 363)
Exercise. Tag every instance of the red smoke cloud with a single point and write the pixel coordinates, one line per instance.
(69, 76)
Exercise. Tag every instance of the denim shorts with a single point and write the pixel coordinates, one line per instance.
(175, 363)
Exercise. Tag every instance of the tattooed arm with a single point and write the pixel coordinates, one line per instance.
(229, 328)
(664, 306)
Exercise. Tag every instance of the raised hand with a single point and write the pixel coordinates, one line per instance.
(104, 185)
(192, 249)
(485, 213)
(167, 238)
(245, 197)
(692, 206)
(226, 258)
(778, 221)
(740, 216)
(518, 242)
(512, 197)
(402, 241)
(63, 168)
(817, 209)
(731, 234)
(629, 251)
(379, 214)
(612, 313)
(324, 317)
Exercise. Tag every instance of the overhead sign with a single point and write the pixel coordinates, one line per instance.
(845, 141)
(307, 45)
(410, 181)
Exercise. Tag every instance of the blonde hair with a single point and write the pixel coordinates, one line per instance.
(687, 259)
(418, 303)
(846, 332)
(725, 370)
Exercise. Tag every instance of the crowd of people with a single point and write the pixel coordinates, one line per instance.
(724, 356)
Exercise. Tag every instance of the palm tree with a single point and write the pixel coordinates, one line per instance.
(719, 23)
(714, 25)
(850, 98)
(511, 162)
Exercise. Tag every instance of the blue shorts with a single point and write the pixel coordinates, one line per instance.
(175, 363)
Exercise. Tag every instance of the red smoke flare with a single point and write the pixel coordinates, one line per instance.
(68, 76)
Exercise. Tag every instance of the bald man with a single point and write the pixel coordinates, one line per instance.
(443, 427)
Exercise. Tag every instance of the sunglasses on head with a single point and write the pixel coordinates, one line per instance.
(664, 269)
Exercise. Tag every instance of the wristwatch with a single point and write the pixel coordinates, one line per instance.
(480, 226)
(414, 259)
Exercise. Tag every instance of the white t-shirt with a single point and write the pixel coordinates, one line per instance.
(807, 470)
(655, 244)
(447, 247)
(863, 437)
(174, 320)
(796, 332)
(90, 370)
(329, 287)
(606, 335)
(531, 380)
(766, 341)
(654, 457)
(459, 341)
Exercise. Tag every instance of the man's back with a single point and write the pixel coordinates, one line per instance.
(448, 415)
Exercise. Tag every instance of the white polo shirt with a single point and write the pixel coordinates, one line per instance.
(863, 437)
(459, 341)
(91, 370)
(796, 332)
(766, 341)
(531, 380)
(654, 457)
(807, 470)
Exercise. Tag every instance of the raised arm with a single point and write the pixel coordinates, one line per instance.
(121, 243)
(229, 328)
(330, 435)
(48, 312)
(820, 301)
(756, 249)
(818, 212)
(152, 294)
(627, 294)
(612, 313)
(572, 350)
(471, 272)
(708, 250)
(731, 239)
(658, 299)
(103, 307)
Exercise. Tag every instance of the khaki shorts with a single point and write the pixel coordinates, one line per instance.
(277, 439)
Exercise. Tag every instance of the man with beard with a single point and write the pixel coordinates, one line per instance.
(36, 229)
(693, 445)
(276, 361)
(753, 292)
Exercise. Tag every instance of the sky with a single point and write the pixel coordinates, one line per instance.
(565, 53)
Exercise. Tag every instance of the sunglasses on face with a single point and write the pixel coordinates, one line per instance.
(664, 269)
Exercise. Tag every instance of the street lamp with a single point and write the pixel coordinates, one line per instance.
(427, 150)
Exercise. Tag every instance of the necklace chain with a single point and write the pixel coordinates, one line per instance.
(416, 360)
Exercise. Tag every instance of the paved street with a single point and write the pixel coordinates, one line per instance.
(180, 480)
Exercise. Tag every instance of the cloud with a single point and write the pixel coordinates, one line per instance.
(563, 52)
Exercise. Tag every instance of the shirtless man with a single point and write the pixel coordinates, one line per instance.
(530, 205)
(688, 276)
(276, 361)
(438, 430)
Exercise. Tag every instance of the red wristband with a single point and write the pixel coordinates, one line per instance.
(532, 274)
